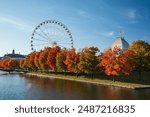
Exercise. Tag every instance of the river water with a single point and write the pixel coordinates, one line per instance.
(17, 87)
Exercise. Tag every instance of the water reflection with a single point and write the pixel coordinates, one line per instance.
(14, 86)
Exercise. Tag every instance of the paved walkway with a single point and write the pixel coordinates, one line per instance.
(87, 81)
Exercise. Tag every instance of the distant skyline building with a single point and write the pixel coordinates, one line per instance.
(13, 55)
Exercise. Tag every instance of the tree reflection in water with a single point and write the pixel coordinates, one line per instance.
(20, 87)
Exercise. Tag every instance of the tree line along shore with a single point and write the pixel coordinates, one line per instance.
(114, 64)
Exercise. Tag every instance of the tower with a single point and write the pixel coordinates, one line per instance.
(13, 51)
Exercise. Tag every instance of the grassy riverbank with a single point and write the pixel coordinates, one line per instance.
(136, 85)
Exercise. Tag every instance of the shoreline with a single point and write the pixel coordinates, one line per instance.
(95, 81)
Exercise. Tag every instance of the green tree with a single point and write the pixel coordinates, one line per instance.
(88, 60)
(23, 64)
(141, 51)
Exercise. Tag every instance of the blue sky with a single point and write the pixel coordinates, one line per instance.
(91, 22)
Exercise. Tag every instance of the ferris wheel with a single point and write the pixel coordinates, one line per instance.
(51, 33)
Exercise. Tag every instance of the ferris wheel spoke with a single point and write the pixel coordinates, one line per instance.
(41, 35)
(39, 40)
(40, 44)
(47, 30)
(43, 32)
(63, 40)
(64, 43)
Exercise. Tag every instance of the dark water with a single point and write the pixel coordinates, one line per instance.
(14, 86)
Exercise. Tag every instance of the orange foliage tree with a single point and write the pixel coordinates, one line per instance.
(36, 60)
(116, 62)
(60, 60)
(23, 64)
(9, 63)
(51, 58)
(43, 58)
(4, 63)
(12, 64)
(72, 60)
(30, 61)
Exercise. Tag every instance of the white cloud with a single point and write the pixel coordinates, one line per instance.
(119, 26)
(17, 23)
(83, 13)
(108, 34)
(131, 14)
(146, 37)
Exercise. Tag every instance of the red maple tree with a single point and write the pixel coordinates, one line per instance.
(43, 58)
(12, 63)
(36, 60)
(9, 63)
(116, 62)
(72, 60)
(51, 58)
(30, 60)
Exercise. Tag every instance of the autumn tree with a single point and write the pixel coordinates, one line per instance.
(117, 62)
(12, 64)
(0, 63)
(43, 58)
(4, 63)
(9, 63)
(60, 60)
(23, 64)
(72, 60)
(36, 60)
(51, 58)
(88, 60)
(141, 55)
(30, 61)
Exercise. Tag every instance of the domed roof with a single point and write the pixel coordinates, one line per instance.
(120, 43)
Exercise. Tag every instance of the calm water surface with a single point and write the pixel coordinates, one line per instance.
(15, 86)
